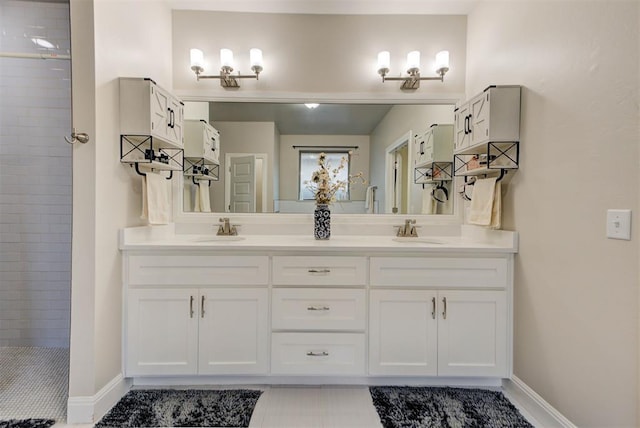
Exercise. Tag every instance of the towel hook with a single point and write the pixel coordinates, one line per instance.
(82, 137)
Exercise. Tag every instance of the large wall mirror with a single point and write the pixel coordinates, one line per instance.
(268, 149)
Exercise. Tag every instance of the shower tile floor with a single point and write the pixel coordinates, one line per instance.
(34, 383)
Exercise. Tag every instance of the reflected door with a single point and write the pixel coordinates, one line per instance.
(242, 184)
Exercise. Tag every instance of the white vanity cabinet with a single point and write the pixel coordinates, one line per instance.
(201, 141)
(146, 109)
(183, 317)
(492, 116)
(439, 317)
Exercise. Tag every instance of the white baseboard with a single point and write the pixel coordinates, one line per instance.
(85, 410)
(544, 413)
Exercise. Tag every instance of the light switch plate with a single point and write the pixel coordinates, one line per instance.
(619, 224)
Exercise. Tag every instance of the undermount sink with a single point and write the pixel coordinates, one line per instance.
(220, 238)
(417, 240)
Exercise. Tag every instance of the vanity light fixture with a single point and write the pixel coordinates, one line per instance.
(226, 67)
(311, 106)
(412, 81)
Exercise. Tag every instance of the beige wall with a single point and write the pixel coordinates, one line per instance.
(245, 137)
(317, 56)
(110, 39)
(576, 292)
(290, 157)
(397, 122)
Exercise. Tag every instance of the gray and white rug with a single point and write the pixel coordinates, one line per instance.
(182, 408)
(27, 423)
(430, 407)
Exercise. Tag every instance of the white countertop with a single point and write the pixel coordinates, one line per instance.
(471, 239)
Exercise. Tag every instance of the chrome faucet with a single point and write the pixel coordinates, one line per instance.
(408, 229)
(226, 228)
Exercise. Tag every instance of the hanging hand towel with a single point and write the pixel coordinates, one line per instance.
(369, 200)
(156, 199)
(196, 198)
(484, 190)
(429, 205)
(205, 202)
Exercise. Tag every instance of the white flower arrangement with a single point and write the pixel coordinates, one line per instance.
(324, 181)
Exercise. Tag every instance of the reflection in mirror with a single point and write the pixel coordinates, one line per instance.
(263, 147)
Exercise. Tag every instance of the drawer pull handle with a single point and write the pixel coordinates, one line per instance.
(444, 312)
(317, 354)
(191, 306)
(433, 307)
(319, 271)
(318, 308)
(202, 307)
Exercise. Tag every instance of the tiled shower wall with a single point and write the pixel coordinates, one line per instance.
(35, 176)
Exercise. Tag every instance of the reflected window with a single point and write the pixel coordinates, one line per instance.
(308, 164)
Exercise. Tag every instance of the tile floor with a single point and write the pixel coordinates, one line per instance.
(33, 383)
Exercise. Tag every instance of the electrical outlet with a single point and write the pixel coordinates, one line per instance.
(619, 224)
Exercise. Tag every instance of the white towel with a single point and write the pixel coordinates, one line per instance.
(196, 199)
(369, 200)
(429, 205)
(205, 202)
(156, 199)
(480, 212)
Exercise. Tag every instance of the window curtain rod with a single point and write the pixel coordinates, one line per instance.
(326, 147)
(33, 55)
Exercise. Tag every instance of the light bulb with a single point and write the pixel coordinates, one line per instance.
(226, 58)
(413, 60)
(311, 106)
(197, 58)
(442, 60)
(255, 57)
(384, 60)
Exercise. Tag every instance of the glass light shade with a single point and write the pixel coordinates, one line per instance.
(413, 60)
(197, 58)
(226, 58)
(255, 57)
(442, 60)
(311, 106)
(384, 59)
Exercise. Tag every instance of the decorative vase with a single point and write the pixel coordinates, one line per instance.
(322, 222)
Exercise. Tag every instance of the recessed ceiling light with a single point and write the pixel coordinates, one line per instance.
(311, 105)
(42, 43)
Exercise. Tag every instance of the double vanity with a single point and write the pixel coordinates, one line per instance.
(355, 309)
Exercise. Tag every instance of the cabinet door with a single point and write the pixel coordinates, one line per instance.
(233, 331)
(160, 117)
(428, 146)
(212, 144)
(480, 114)
(175, 127)
(403, 332)
(462, 124)
(472, 333)
(162, 332)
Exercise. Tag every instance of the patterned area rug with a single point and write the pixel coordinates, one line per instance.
(27, 423)
(182, 408)
(427, 407)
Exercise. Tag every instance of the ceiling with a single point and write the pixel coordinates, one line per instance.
(339, 7)
(297, 119)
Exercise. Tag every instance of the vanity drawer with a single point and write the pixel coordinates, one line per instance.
(439, 272)
(300, 270)
(198, 270)
(317, 353)
(318, 309)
